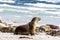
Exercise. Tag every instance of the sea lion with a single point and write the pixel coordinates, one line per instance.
(54, 32)
(2, 25)
(7, 28)
(45, 28)
(1, 19)
(28, 28)
(53, 26)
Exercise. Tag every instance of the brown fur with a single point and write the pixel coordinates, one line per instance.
(27, 28)
(0, 20)
(6, 29)
(53, 26)
(45, 28)
(54, 32)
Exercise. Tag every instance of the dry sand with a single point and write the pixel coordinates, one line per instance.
(39, 36)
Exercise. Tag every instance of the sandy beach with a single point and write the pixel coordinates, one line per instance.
(40, 36)
(18, 12)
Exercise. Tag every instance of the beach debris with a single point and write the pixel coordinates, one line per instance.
(26, 37)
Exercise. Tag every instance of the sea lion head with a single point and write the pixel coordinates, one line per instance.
(36, 19)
